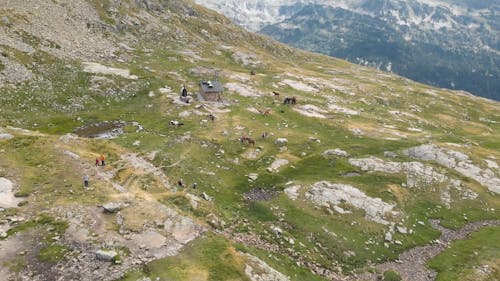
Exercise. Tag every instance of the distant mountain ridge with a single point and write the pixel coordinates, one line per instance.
(452, 44)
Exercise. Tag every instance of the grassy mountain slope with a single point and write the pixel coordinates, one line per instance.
(115, 68)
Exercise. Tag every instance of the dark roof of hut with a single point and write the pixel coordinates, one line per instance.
(211, 86)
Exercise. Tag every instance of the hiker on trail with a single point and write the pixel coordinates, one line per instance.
(180, 183)
(195, 185)
(184, 92)
(102, 159)
(86, 181)
(96, 161)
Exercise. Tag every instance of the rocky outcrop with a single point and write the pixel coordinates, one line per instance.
(113, 207)
(276, 165)
(335, 152)
(106, 255)
(281, 141)
(326, 194)
(7, 198)
(5, 136)
(293, 192)
(182, 229)
(417, 174)
(96, 68)
(258, 270)
(459, 162)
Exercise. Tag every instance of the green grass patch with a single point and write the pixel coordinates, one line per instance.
(56, 227)
(390, 275)
(462, 259)
(52, 253)
(210, 258)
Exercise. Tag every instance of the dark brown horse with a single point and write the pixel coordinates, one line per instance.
(248, 140)
(276, 94)
(251, 142)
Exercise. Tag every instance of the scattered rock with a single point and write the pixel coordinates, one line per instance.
(293, 192)
(106, 255)
(113, 207)
(277, 230)
(7, 198)
(336, 152)
(183, 229)
(72, 154)
(278, 163)
(5, 136)
(260, 194)
(281, 141)
(390, 154)
(388, 237)
(310, 110)
(352, 174)
(402, 229)
(215, 222)
(207, 197)
(252, 176)
(96, 68)
(252, 154)
(257, 270)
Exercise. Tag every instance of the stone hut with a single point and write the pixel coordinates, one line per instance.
(211, 90)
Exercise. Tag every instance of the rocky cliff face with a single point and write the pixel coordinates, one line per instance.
(309, 168)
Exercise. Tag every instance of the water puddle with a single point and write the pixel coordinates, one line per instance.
(103, 130)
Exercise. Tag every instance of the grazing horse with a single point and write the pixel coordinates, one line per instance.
(276, 94)
(176, 123)
(248, 140)
(291, 100)
(211, 117)
(244, 138)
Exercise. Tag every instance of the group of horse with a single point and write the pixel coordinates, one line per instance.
(287, 100)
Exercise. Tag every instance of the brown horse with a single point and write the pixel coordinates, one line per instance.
(276, 95)
(244, 138)
(248, 140)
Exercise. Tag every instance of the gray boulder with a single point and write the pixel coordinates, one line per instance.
(281, 141)
(113, 207)
(335, 152)
(106, 255)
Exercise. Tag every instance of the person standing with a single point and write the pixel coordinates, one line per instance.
(96, 161)
(86, 180)
(102, 159)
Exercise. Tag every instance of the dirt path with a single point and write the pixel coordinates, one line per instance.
(411, 264)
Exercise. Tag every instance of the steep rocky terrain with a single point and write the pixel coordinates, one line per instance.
(364, 172)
